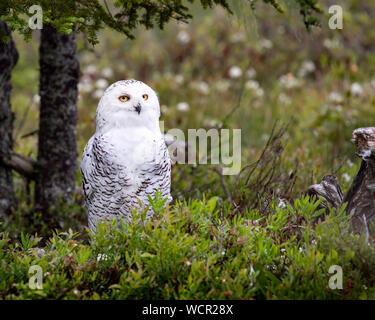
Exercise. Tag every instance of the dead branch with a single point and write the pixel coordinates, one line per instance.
(329, 190)
(25, 166)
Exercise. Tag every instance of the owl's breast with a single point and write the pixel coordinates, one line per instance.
(134, 148)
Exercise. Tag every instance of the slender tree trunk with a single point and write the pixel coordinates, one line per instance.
(57, 149)
(8, 59)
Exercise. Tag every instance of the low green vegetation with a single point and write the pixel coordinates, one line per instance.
(195, 250)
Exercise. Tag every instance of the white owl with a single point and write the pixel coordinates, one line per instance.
(126, 159)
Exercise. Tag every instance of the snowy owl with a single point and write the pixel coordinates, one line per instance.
(126, 160)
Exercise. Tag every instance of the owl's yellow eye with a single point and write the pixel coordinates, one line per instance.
(145, 96)
(124, 98)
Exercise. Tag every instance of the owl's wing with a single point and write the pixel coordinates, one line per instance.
(104, 181)
(87, 170)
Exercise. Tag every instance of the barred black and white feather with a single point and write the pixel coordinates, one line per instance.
(126, 160)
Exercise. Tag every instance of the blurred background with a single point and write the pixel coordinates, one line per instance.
(250, 71)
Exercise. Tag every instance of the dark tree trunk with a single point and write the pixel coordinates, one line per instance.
(57, 149)
(361, 194)
(8, 59)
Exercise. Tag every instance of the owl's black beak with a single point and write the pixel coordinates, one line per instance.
(138, 108)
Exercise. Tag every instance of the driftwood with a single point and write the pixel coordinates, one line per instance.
(360, 197)
(329, 190)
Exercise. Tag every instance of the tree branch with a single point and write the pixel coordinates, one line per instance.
(25, 166)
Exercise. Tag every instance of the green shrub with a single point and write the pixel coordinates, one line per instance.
(196, 250)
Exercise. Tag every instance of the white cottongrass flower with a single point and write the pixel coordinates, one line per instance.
(284, 99)
(101, 83)
(251, 73)
(183, 106)
(222, 85)
(235, 72)
(356, 89)
(107, 72)
(252, 84)
(289, 81)
(202, 87)
(307, 67)
(90, 69)
(164, 109)
(259, 92)
(98, 93)
(238, 37)
(183, 37)
(339, 108)
(335, 97)
(266, 44)
(84, 87)
(179, 79)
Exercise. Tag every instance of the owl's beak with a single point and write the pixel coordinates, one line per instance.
(138, 108)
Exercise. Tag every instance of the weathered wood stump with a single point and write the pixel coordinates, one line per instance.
(360, 197)
(329, 189)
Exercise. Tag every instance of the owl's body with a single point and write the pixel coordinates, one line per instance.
(126, 160)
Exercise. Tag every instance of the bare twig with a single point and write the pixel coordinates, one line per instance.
(261, 182)
(238, 104)
(109, 11)
(224, 184)
(23, 119)
(29, 134)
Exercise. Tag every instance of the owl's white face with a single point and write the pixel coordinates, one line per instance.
(128, 103)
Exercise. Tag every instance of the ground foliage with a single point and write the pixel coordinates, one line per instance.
(192, 250)
(248, 236)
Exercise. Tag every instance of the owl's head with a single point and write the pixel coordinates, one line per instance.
(128, 103)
